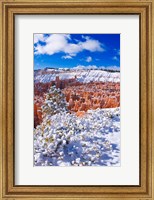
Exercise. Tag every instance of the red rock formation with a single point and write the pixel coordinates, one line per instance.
(38, 101)
(41, 88)
(80, 113)
(80, 96)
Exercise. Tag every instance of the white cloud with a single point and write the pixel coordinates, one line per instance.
(72, 48)
(39, 50)
(85, 37)
(39, 37)
(67, 57)
(91, 45)
(89, 59)
(56, 43)
(115, 58)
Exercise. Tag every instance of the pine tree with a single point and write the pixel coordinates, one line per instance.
(54, 103)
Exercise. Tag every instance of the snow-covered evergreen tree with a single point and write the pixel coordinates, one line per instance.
(54, 138)
(54, 103)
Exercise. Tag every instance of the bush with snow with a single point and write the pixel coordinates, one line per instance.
(63, 139)
(54, 103)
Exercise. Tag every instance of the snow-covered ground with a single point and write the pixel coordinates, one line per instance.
(84, 76)
(67, 140)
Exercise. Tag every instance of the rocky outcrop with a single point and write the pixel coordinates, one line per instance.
(88, 96)
(38, 102)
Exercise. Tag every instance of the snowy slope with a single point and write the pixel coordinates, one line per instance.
(84, 76)
(67, 140)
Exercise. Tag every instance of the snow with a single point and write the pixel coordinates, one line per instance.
(64, 139)
(84, 76)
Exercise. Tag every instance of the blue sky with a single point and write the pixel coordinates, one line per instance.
(73, 50)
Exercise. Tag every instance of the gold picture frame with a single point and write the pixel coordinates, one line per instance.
(145, 10)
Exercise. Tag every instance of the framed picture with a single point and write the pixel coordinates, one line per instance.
(76, 99)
